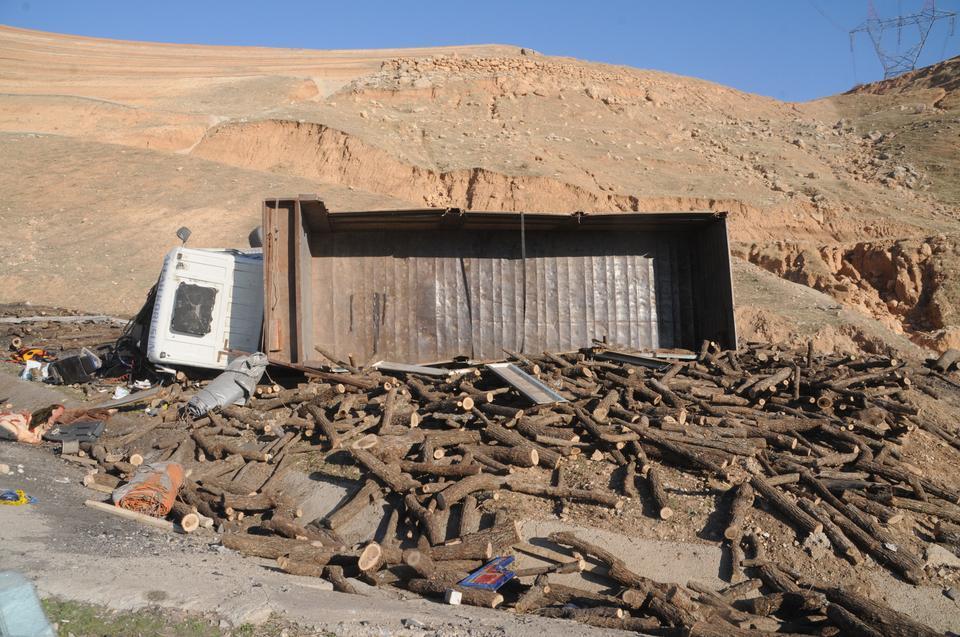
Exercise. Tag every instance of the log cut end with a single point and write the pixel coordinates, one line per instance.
(370, 557)
(190, 522)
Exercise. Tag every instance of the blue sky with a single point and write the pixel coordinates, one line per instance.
(788, 49)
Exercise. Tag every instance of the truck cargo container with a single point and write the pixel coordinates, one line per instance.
(435, 284)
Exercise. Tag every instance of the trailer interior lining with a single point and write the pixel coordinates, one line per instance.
(429, 285)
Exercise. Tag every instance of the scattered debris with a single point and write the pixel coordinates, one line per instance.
(106, 507)
(938, 556)
(16, 497)
(17, 426)
(152, 490)
(74, 369)
(814, 439)
(491, 576)
(20, 610)
(233, 387)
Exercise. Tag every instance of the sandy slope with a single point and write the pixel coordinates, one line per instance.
(818, 192)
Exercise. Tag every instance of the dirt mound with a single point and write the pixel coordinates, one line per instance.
(908, 285)
(99, 119)
(943, 75)
(319, 152)
(801, 314)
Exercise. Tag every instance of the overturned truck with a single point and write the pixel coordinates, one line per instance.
(438, 284)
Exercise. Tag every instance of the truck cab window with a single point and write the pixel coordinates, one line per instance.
(193, 309)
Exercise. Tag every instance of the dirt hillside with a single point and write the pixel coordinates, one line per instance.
(113, 145)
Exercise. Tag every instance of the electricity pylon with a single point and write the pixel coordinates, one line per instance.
(901, 61)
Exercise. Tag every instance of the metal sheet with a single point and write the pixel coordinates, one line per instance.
(651, 362)
(427, 285)
(413, 369)
(531, 387)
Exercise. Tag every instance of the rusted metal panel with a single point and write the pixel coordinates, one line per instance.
(428, 285)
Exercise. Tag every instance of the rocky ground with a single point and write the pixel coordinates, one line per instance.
(78, 554)
(844, 221)
(111, 146)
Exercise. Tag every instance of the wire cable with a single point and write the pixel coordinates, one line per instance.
(832, 22)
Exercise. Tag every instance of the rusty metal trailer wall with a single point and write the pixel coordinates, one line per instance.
(430, 285)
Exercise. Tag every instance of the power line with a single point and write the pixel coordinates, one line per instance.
(826, 17)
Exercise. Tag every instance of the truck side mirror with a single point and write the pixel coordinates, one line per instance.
(183, 233)
(256, 237)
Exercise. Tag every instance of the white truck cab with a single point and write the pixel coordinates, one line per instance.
(208, 309)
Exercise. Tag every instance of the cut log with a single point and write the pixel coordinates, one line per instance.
(217, 449)
(659, 494)
(470, 549)
(390, 475)
(881, 512)
(432, 525)
(534, 597)
(668, 396)
(188, 519)
(947, 360)
(334, 574)
(469, 516)
(592, 617)
(546, 491)
(256, 503)
(326, 427)
(618, 570)
(951, 513)
(948, 533)
(546, 457)
(663, 609)
(501, 537)
(849, 623)
(547, 569)
(462, 488)
(740, 504)
(471, 596)
(561, 594)
(441, 470)
(368, 494)
(289, 528)
(841, 543)
(295, 567)
(373, 556)
(900, 562)
(802, 603)
(784, 505)
(549, 554)
(630, 480)
(696, 457)
(270, 547)
(772, 576)
(420, 562)
(523, 456)
(889, 622)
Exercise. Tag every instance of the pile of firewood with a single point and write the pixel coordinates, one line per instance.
(55, 334)
(816, 439)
